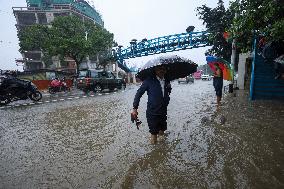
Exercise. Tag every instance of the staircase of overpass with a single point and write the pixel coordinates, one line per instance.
(263, 84)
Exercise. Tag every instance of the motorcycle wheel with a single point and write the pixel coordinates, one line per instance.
(36, 96)
(4, 101)
(51, 90)
(98, 88)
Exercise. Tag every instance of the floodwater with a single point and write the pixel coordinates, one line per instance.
(91, 143)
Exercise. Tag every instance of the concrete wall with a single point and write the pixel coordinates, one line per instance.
(242, 70)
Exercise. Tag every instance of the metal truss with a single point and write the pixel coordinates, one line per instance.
(159, 45)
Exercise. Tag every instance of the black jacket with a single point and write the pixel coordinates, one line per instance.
(157, 102)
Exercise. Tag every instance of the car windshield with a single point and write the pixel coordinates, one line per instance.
(83, 73)
(94, 74)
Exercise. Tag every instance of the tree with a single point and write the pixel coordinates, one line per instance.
(217, 21)
(264, 17)
(68, 36)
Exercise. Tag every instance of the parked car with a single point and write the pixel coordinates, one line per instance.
(186, 79)
(98, 80)
(206, 77)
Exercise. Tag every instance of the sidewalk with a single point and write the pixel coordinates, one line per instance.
(259, 127)
(239, 109)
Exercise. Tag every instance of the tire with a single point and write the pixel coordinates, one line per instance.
(4, 101)
(85, 90)
(97, 88)
(36, 96)
(119, 86)
(50, 90)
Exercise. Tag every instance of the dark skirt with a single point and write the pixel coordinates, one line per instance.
(218, 85)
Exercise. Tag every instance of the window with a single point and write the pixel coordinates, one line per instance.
(83, 73)
(103, 74)
(94, 74)
(109, 75)
(50, 75)
(42, 18)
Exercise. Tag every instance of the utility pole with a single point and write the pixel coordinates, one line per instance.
(233, 61)
(233, 56)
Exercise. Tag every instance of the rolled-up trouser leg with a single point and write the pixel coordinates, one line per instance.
(157, 123)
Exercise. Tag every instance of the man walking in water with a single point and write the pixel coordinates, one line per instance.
(158, 91)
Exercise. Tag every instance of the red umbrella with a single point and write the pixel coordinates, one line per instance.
(223, 65)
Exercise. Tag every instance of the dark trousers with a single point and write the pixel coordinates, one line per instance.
(157, 123)
(218, 85)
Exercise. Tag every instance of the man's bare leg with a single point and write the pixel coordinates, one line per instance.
(218, 101)
(161, 133)
(161, 136)
(153, 139)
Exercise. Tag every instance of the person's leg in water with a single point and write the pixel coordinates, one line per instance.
(219, 101)
(218, 85)
(157, 126)
(163, 128)
(153, 128)
(153, 139)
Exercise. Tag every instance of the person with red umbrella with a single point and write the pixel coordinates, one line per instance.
(218, 83)
(222, 71)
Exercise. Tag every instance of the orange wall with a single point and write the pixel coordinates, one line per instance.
(43, 84)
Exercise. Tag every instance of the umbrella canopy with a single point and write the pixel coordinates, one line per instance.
(223, 65)
(177, 67)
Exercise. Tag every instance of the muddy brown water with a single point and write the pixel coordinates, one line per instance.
(91, 143)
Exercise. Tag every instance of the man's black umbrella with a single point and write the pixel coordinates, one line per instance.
(177, 67)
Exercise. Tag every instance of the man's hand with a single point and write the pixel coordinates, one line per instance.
(134, 113)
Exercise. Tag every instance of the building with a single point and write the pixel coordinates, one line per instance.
(44, 12)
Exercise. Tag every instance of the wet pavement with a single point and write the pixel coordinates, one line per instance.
(88, 141)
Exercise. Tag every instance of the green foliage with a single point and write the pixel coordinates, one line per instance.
(33, 38)
(105, 58)
(265, 17)
(68, 36)
(47, 59)
(217, 21)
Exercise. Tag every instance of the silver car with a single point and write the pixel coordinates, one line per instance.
(186, 79)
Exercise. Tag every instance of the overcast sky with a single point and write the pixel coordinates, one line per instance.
(127, 19)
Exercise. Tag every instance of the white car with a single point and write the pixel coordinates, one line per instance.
(206, 77)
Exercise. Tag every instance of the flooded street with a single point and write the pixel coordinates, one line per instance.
(91, 143)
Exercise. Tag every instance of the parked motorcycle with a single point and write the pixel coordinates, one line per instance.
(13, 89)
(58, 86)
